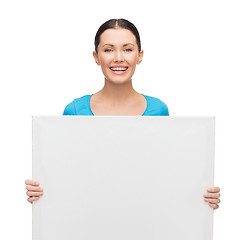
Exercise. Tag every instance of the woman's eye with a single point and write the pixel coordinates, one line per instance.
(107, 50)
(130, 50)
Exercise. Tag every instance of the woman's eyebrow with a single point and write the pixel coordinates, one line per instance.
(123, 44)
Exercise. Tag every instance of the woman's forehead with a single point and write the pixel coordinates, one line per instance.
(117, 37)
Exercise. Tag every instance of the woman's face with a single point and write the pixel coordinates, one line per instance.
(118, 55)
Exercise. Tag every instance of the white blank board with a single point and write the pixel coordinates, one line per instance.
(123, 177)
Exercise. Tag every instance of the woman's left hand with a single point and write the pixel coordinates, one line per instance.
(212, 197)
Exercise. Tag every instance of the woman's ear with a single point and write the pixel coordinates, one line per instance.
(96, 58)
(140, 57)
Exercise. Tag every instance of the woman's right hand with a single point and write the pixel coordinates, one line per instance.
(33, 190)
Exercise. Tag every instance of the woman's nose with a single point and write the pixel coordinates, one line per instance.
(118, 57)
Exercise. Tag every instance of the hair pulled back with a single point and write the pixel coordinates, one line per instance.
(117, 23)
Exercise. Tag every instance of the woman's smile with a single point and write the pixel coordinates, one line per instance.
(119, 69)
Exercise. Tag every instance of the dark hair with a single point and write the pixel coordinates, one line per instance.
(117, 23)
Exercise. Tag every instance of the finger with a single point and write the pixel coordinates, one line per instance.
(211, 200)
(212, 195)
(34, 194)
(34, 189)
(213, 190)
(214, 206)
(32, 199)
(32, 182)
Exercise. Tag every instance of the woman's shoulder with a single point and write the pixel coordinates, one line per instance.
(156, 107)
(79, 106)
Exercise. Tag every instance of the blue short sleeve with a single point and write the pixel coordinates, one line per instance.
(70, 109)
(163, 109)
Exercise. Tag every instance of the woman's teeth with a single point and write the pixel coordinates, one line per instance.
(118, 69)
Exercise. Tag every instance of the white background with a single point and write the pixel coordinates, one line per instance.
(191, 62)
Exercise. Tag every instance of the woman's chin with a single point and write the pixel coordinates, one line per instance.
(119, 80)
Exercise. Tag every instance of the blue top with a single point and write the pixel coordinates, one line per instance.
(81, 106)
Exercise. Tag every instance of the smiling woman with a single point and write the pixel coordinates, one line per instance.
(118, 52)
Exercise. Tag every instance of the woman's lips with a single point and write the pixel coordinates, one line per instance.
(119, 70)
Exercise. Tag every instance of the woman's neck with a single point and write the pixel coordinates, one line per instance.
(117, 94)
